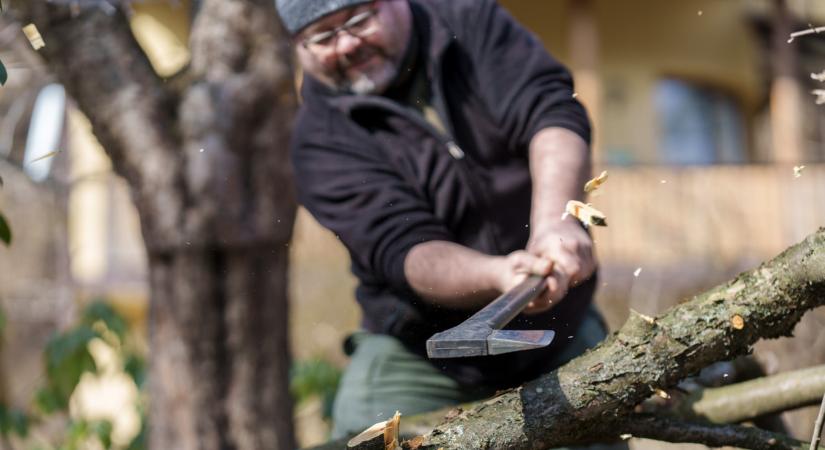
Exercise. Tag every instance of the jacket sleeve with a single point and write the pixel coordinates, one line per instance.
(369, 207)
(525, 88)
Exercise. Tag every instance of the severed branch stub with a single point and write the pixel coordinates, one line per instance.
(381, 436)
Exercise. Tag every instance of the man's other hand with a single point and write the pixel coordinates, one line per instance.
(570, 249)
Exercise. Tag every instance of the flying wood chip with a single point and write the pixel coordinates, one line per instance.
(737, 322)
(34, 36)
(587, 214)
(594, 184)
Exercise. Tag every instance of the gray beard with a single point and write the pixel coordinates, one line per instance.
(362, 86)
(367, 84)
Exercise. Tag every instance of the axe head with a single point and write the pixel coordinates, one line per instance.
(478, 339)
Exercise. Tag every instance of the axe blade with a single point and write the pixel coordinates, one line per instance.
(482, 333)
(506, 341)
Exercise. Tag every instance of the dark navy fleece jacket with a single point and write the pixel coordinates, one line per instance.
(380, 177)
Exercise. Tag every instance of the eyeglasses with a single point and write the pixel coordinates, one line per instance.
(359, 25)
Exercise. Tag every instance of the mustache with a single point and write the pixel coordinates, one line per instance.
(358, 56)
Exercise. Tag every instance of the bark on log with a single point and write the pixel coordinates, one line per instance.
(582, 401)
(206, 161)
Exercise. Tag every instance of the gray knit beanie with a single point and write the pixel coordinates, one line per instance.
(297, 14)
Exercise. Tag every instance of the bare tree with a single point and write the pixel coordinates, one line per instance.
(205, 157)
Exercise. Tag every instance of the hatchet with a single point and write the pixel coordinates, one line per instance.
(482, 335)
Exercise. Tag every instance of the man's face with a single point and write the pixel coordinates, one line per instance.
(363, 58)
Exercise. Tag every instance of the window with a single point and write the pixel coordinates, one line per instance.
(697, 125)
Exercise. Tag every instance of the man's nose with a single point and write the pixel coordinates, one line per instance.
(347, 43)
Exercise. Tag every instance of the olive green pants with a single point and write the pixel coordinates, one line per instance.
(384, 377)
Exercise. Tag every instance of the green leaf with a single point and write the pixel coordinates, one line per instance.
(13, 421)
(3, 74)
(67, 359)
(19, 423)
(47, 402)
(99, 311)
(103, 430)
(5, 230)
(135, 366)
(315, 377)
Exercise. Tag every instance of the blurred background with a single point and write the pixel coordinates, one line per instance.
(704, 116)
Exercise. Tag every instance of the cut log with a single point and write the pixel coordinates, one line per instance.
(588, 399)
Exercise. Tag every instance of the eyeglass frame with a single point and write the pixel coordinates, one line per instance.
(370, 14)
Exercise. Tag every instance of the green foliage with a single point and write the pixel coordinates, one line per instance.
(13, 421)
(67, 358)
(315, 377)
(135, 366)
(80, 432)
(5, 230)
(98, 312)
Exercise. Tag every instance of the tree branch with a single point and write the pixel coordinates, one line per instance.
(754, 398)
(96, 57)
(571, 405)
(674, 430)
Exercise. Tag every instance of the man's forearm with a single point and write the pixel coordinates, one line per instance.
(559, 167)
(452, 275)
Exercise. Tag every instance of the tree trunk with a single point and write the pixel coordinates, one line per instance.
(592, 397)
(205, 156)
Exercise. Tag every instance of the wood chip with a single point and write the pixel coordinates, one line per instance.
(625, 436)
(35, 39)
(587, 214)
(797, 171)
(595, 183)
(662, 394)
(737, 322)
(385, 432)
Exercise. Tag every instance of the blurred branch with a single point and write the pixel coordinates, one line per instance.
(678, 431)
(811, 30)
(754, 398)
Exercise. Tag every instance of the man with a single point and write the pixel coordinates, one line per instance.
(440, 142)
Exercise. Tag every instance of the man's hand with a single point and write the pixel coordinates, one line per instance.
(515, 267)
(570, 249)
